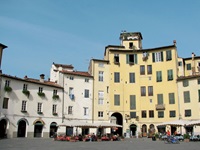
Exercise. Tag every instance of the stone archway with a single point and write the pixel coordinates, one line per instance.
(3, 126)
(53, 129)
(38, 127)
(133, 129)
(21, 132)
(144, 130)
(119, 121)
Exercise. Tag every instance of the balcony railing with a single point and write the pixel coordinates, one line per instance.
(160, 106)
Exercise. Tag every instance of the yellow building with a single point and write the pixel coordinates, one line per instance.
(189, 91)
(139, 85)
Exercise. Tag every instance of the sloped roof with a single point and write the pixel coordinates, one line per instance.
(77, 73)
(63, 65)
(31, 80)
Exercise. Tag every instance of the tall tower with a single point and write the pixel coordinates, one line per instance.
(1, 52)
(131, 40)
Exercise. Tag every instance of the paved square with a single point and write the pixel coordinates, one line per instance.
(127, 144)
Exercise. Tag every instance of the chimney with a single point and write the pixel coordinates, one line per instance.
(174, 41)
(42, 78)
(25, 77)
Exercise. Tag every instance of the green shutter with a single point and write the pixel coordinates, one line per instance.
(161, 56)
(160, 98)
(171, 98)
(132, 102)
(135, 61)
(153, 57)
(199, 95)
(127, 58)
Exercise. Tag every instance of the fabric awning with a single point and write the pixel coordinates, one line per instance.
(175, 123)
(107, 125)
(192, 123)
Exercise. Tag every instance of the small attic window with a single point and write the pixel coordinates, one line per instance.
(131, 45)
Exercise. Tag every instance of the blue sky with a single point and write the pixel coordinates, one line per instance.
(40, 32)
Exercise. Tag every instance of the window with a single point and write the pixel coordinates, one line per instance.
(23, 109)
(86, 95)
(160, 99)
(170, 75)
(157, 57)
(116, 58)
(160, 114)
(132, 102)
(142, 70)
(131, 45)
(85, 111)
(188, 66)
(116, 77)
(150, 90)
(101, 76)
(86, 80)
(132, 77)
(39, 108)
(172, 114)
(101, 97)
(71, 78)
(180, 63)
(100, 114)
(25, 87)
(199, 95)
(71, 93)
(185, 83)
(198, 81)
(7, 83)
(55, 92)
(171, 98)
(70, 111)
(186, 96)
(117, 100)
(143, 91)
(188, 113)
(131, 58)
(158, 76)
(144, 114)
(151, 114)
(149, 69)
(40, 89)
(5, 103)
(132, 114)
(54, 109)
(168, 55)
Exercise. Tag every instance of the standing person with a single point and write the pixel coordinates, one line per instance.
(168, 133)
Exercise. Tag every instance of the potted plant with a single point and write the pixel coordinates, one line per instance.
(26, 92)
(55, 97)
(186, 137)
(7, 89)
(41, 94)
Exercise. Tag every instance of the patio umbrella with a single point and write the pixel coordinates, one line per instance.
(107, 125)
(175, 123)
(192, 123)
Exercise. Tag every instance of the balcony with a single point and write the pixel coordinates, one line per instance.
(160, 107)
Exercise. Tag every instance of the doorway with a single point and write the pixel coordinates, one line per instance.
(21, 132)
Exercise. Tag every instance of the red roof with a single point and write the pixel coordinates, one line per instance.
(77, 73)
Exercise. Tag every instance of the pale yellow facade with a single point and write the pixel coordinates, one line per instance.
(136, 77)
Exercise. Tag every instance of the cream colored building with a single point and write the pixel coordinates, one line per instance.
(189, 91)
(140, 85)
(29, 107)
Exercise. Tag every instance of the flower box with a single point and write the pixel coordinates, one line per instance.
(55, 97)
(7, 89)
(41, 94)
(26, 92)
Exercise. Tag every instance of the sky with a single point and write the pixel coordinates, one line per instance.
(40, 32)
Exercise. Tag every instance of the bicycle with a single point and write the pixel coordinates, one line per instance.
(172, 140)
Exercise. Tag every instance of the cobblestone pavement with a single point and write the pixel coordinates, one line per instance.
(127, 144)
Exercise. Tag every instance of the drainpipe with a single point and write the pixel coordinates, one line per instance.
(63, 100)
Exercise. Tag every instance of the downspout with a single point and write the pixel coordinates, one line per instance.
(93, 92)
(63, 100)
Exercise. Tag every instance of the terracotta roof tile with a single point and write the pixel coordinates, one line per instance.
(63, 65)
(77, 73)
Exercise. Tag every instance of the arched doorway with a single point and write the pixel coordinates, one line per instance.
(151, 130)
(119, 121)
(3, 125)
(21, 132)
(38, 129)
(53, 129)
(144, 130)
(133, 129)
